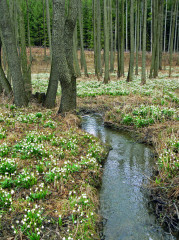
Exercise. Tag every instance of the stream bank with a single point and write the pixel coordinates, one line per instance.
(138, 222)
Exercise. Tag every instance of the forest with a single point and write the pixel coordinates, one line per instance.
(89, 133)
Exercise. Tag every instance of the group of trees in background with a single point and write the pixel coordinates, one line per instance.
(114, 26)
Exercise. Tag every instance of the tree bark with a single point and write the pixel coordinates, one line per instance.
(126, 27)
(4, 83)
(111, 38)
(83, 58)
(143, 79)
(137, 44)
(62, 56)
(75, 53)
(165, 31)
(106, 41)
(172, 36)
(48, 27)
(25, 68)
(20, 98)
(131, 63)
(121, 69)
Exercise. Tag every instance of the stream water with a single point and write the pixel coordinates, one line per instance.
(123, 196)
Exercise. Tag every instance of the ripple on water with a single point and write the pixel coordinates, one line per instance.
(123, 198)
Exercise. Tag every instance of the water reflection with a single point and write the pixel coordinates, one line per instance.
(123, 199)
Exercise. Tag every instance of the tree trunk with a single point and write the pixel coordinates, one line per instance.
(161, 9)
(175, 40)
(75, 53)
(62, 56)
(121, 72)
(172, 36)
(106, 40)
(170, 28)
(151, 29)
(83, 58)
(49, 28)
(143, 79)
(165, 31)
(111, 38)
(131, 63)
(126, 27)
(137, 44)
(25, 68)
(44, 44)
(4, 83)
(20, 98)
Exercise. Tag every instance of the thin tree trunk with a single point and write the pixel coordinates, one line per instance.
(165, 31)
(118, 41)
(49, 28)
(131, 63)
(99, 67)
(83, 58)
(137, 44)
(111, 38)
(170, 29)
(75, 53)
(20, 98)
(45, 50)
(151, 37)
(140, 40)
(161, 18)
(175, 43)
(106, 40)
(25, 69)
(172, 36)
(143, 78)
(126, 27)
(121, 72)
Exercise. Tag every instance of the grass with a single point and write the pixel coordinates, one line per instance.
(48, 174)
(50, 170)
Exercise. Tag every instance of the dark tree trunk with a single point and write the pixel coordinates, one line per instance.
(62, 56)
(8, 36)
(131, 63)
(4, 83)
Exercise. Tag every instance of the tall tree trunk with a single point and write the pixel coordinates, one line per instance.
(62, 56)
(126, 27)
(106, 40)
(97, 37)
(165, 31)
(20, 98)
(131, 63)
(170, 28)
(172, 36)
(83, 58)
(25, 68)
(175, 40)
(75, 53)
(151, 29)
(49, 28)
(157, 33)
(44, 23)
(121, 69)
(143, 78)
(99, 67)
(4, 83)
(140, 40)
(161, 18)
(137, 44)
(111, 38)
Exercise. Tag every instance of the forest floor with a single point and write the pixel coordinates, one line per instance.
(51, 170)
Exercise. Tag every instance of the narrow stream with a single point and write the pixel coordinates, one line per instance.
(123, 196)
